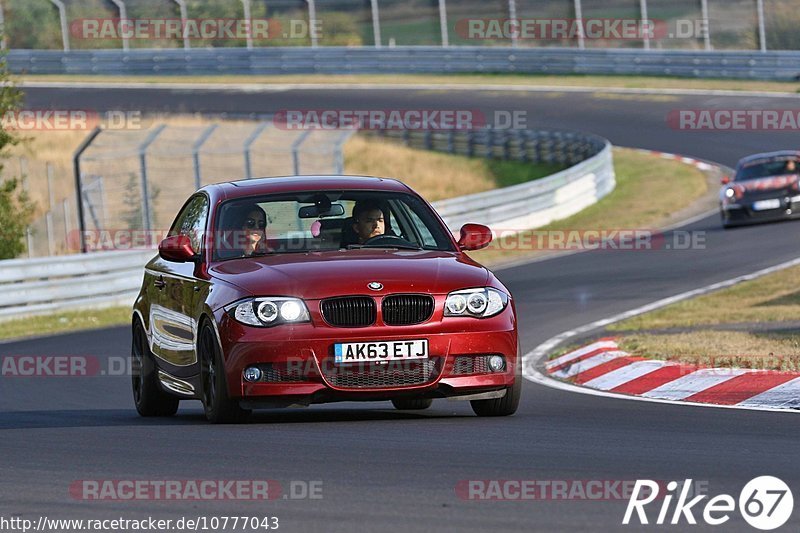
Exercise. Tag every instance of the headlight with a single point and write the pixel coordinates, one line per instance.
(730, 193)
(268, 311)
(482, 303)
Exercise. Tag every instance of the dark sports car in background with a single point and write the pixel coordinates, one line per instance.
(764, 187)
(269, 293)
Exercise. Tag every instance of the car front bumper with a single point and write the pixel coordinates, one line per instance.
(300, 362)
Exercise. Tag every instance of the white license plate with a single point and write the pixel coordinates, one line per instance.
(357, 352)
(763, 205)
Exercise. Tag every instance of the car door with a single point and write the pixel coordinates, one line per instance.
(172, 315)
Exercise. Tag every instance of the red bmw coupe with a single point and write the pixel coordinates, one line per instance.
(280, 292)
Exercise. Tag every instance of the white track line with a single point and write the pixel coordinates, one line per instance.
(624, 375)
(602, 345)
(532, 358)
(697, 381)
(588, 364)
(786, 394)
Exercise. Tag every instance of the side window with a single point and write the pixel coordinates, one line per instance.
(428, 241)
(192, 221)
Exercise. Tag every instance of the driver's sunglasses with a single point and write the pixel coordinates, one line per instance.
(252, 223)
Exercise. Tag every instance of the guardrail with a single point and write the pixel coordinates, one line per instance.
(102, 279)
(45, 285)
(771, 65)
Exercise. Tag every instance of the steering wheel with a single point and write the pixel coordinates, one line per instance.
(388, 240)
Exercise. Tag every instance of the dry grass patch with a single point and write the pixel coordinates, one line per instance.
(639, 82)
(775, 297)
(720, 349)
(640, 178)
(436, 175)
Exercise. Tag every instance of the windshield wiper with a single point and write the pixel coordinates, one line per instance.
(384, 246)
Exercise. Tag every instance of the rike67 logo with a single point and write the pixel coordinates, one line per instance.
(765, 503)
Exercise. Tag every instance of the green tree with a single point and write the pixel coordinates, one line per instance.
(16, 213)
(16, 209)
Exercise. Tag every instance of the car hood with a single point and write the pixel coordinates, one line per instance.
(317, 275)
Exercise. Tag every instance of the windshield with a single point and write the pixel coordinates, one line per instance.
(326, 220)
(765, 168)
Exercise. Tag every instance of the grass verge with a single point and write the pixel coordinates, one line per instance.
(751, 325)
(640, 177)
(65, 322)
(630, 82)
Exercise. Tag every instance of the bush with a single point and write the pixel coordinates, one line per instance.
(16, 213)
(16, 209)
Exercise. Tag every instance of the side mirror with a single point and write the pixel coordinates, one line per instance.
(725, 180)
(474, 237)
(177, 248)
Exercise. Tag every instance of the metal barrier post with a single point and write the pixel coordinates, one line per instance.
(296, 151)
(706, 24)
(339, 151)
(198, 181)
(247, 144)
(65, 207)
(312, 22)
(579, 18)
(147, 219)
(50, 194)
(249, 23)
(184, 19)
(512, 14)
(76, 165)
(643, 16)
(762, 31)
(443, 22)
(123, 17)
(62, 13)
(376, 23)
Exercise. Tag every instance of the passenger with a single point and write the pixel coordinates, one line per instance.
(253, 223)
(791, 166)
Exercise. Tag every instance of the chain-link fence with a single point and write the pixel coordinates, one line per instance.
(138, 179)
(131, 24)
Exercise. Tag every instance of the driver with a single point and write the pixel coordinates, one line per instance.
(368, 220)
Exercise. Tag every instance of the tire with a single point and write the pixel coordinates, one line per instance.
(411, 404)
(148, 397)
(217, 404)
(508, 404)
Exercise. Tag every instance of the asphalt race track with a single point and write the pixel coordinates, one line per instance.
(396, 471)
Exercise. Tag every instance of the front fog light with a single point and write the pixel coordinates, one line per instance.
(290, 310)
(497, 363)
(252, 373)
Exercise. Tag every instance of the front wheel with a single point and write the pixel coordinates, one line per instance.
(508, 404)
(411, 404)
(217, 404)
(148, 397)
